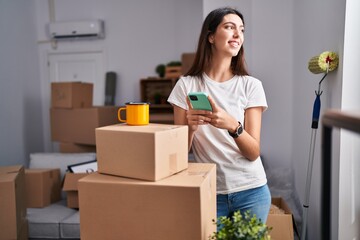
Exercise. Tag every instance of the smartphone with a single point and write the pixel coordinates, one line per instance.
(199, 101)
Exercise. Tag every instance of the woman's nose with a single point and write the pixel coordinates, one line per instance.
(236, 33)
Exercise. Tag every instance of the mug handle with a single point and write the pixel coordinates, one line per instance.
(119, 115)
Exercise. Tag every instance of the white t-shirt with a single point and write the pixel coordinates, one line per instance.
(213, 145)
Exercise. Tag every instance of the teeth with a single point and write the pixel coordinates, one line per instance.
(234, 44)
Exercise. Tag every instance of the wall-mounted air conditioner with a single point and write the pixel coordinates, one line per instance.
(77, 29)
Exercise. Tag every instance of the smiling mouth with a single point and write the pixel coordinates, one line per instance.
(234, 44)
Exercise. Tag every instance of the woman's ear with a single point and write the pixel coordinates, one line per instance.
(211, 38)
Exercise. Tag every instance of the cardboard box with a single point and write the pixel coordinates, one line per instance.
(12, 202)
(187, 60)
(172, 71)
(150, 152)
(43, 187)
(281, 222)
(76, 148)
(71, 95)
(24, 231)
(71, 188)
(178, 207)
(78, 125)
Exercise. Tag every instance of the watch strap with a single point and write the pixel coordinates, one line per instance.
(237, 132)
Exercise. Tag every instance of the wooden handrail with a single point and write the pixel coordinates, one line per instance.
(342, 119)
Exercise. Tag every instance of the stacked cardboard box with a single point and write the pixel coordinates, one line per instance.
(43, 187)
(149, 152)
(74, 118)
(280, 219)
(13, 223)
(145, 188)
(187, 60)
(71, 188)
(71, 94)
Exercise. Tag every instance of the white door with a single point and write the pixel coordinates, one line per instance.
(73, 66)
(83, 67)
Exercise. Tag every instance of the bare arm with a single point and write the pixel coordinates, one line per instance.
(249, 141)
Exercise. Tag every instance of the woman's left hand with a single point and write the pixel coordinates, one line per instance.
(220, 118)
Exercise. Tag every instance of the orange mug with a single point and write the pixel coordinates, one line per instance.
(137, 113)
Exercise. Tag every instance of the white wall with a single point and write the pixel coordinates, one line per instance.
(347, 194)
(20, 96)
(139, 35)
(351, 83)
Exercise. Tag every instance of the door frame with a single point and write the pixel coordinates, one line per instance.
(46, 87)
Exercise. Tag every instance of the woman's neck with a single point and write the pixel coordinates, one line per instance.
(220, 70)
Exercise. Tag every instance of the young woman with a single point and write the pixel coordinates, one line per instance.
(229, 135)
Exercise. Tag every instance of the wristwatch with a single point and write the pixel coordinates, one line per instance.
(237, 132)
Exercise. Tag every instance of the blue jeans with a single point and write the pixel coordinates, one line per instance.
(257, 200)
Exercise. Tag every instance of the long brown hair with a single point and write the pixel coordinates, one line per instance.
(203, 53)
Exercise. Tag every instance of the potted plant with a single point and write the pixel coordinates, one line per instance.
(240, 227)
(160, 70)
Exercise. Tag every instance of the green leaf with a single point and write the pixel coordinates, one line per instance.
(240, 227)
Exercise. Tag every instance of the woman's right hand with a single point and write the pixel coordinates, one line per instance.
(196, 117)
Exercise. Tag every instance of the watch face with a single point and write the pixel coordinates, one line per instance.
(238, 131)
